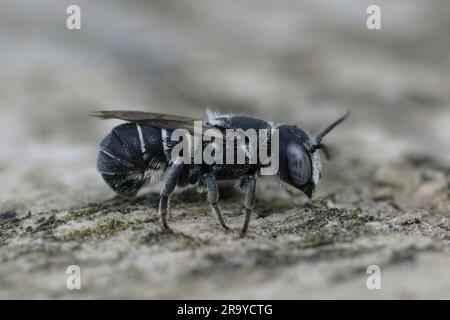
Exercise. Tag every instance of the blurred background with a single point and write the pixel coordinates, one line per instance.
(304, 62)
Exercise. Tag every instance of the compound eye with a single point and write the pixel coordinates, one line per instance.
(299, 164)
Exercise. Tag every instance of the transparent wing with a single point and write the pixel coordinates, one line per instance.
(166, 121)
(158, 120)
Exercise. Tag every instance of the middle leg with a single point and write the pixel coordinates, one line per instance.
(213, 197)
(248, 203)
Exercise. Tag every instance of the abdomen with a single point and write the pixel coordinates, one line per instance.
(130, 156)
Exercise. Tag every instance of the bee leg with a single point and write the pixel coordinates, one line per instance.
(242, 184)
(213, 197)
(169, 183)
(248, 203)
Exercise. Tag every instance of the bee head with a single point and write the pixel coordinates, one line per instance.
(300, 164)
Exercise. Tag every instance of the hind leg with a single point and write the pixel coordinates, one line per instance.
(169, 184)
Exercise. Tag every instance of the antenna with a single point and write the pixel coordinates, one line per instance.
(319, 144)
(330, 127)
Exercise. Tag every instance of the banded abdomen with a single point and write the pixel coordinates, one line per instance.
(131, 155)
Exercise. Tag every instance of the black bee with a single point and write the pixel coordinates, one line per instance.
(139, 152)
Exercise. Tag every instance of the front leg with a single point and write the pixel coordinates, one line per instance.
(213, 197)
(169, 183)
(248, 203)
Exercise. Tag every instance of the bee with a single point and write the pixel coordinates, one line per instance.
(139, 152)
